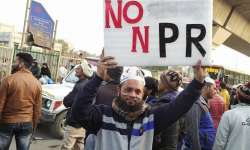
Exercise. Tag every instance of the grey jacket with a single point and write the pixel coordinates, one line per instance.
(199, 127)
(233, 132)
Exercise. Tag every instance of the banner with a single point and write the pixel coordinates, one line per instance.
(158, 32)
(41, 25)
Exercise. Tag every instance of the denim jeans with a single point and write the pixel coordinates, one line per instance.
(21, 131)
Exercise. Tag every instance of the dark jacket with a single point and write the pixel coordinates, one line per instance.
(106, 93)
(151, 100)
(137, 134)
(167, 139)
(69, 100)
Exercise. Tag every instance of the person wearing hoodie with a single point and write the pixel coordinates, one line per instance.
(169, 84)
(130, 124)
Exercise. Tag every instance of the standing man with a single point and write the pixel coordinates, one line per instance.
(105, 96)
(129, 124)
(233, 132)
(20, 104)
(216, 108)
(170, 82)
(74, 133)
(198, 122)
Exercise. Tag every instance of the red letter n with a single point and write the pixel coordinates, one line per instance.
(144, 44)
(110, 12)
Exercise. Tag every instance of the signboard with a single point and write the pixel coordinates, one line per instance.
(40, 25)
(158, 32)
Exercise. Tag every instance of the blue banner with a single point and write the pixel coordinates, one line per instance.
(41, 25)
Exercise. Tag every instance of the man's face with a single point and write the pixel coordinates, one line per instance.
(131, 92)
(79, 72)
(210, 91)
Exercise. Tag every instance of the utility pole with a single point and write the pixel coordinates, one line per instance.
(60, 53)
(54, 35)
(27, 10)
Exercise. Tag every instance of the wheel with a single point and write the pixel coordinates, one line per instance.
(58, 126)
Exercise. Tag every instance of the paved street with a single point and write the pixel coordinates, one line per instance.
(45, 141)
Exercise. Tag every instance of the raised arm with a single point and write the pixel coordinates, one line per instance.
(83, 111)
(170, 113)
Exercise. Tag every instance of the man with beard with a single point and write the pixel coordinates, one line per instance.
(74, 133)
(20, 104)
(130, 124)
(105, 96)
(200, 131)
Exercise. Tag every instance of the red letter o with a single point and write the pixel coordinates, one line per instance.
(125, 12)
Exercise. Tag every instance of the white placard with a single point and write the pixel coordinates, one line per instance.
(158, 32)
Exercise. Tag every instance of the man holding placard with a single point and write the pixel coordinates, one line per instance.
(145, 33)
(130, 123)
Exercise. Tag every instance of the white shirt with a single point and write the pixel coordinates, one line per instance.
(233, 132)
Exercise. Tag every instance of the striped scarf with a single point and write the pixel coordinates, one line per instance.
(130, 113)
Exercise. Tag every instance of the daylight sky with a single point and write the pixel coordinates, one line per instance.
(80, 21)
(81, 24)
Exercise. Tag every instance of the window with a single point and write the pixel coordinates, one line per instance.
(71, 77)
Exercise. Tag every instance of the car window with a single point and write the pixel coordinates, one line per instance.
(71, 77)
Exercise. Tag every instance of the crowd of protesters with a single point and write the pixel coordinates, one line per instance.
(116, 108)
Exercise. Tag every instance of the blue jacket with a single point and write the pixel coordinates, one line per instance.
(114, 132)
